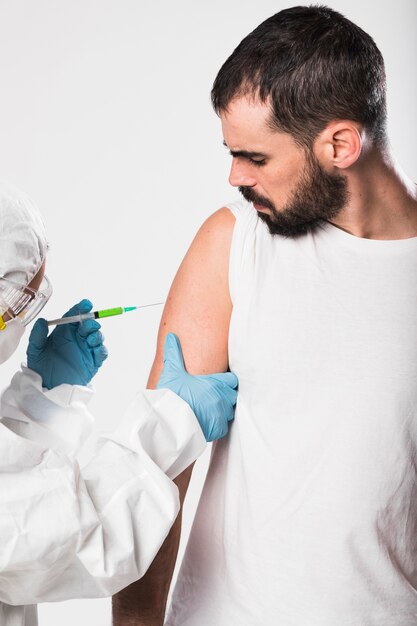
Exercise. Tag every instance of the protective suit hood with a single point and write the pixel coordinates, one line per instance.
(23, 247)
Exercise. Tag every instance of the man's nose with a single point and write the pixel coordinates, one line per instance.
(240, 174)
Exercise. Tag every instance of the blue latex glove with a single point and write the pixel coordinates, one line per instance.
(71, 354)
(212, 397)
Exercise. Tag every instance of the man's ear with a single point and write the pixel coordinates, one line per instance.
(339, 144)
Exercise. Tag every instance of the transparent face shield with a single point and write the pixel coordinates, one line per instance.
(23, 303)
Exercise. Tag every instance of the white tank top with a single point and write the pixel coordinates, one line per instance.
(308, 516)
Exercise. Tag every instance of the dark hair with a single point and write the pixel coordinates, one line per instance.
(315, 66)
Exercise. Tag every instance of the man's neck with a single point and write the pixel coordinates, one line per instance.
(383, 201)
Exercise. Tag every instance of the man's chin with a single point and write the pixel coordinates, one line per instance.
(289, 226)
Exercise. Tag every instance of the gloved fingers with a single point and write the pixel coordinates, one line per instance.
(228, 398)
(224, 391)
(230, 411)
(84, 306)
(100, 354)
(38, 334)
(95, 339)
(173, 353)
(228, 378)
(229, 394)
(215, 430)
(87, 327)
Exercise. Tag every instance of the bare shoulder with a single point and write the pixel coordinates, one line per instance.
(216, 232)
(198, 307)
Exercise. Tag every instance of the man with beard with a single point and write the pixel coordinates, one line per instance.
(307, 290)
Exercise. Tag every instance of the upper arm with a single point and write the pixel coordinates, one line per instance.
(199, 307)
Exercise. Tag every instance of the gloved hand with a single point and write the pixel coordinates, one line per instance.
(71, 354)
(212, 397)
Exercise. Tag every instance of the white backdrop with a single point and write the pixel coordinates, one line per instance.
(105, 121)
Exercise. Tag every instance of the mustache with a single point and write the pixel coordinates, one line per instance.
(251, 196)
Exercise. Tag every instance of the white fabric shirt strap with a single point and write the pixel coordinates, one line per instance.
(71, 533)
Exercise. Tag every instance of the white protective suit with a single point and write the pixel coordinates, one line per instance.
(66, 532)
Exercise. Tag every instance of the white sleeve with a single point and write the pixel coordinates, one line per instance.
(71, 533)
(57, 418)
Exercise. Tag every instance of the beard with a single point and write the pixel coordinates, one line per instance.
(318, 197)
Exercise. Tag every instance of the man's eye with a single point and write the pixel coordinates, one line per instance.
(251, 160)
(257, 163)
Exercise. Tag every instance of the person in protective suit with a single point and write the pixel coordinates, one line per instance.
(66, 532)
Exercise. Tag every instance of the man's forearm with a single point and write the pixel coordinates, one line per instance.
(143, 603)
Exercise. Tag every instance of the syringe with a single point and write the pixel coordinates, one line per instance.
(94, 315)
